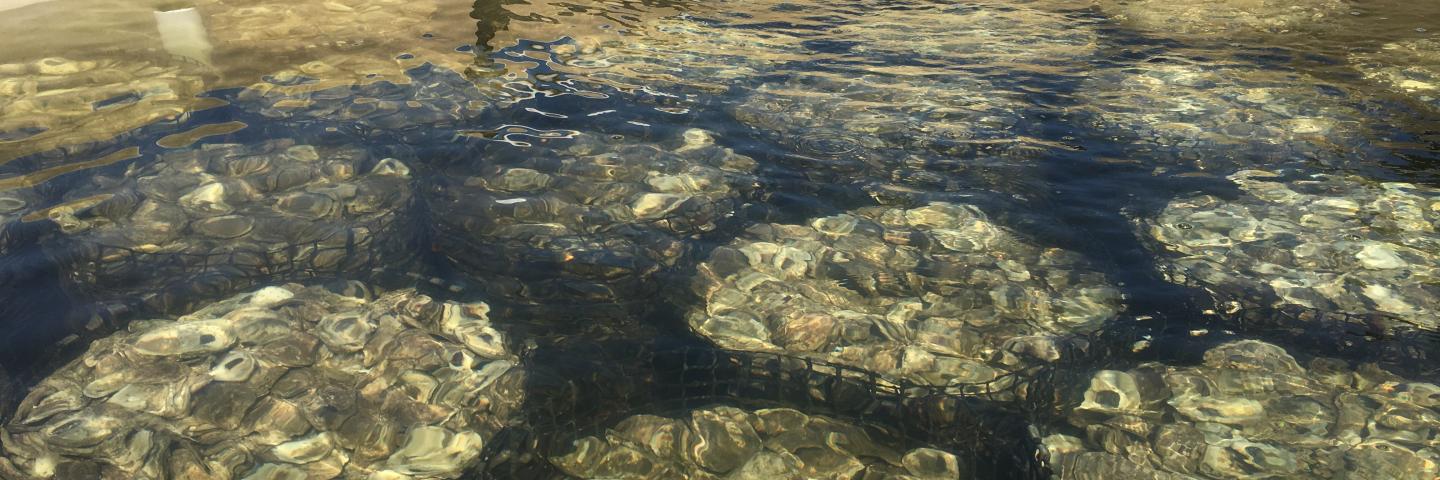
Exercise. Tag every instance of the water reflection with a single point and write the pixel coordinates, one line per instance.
(972, 216)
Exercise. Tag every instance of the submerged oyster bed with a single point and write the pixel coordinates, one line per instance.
(57, 102)
(283, 382)
(1409, 67)
(1250, 411)
(356, 39)
(931, 322)
(1020, 38)
(675, 53)
(207, 222)
(1225, 19)
(711, 51)
(1324, 242)
(937, 294)
(1223, 118)
(911, 123)
(584, 218)
(424, 95)
(873, 128)
(727, 442)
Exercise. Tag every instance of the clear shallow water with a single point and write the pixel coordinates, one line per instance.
(977, 218)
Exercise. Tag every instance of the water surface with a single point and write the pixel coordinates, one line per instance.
(1010, 238)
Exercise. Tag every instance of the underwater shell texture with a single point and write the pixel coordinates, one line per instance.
(210, 221)
(727, 442)
(1330, 243)
(1250, 411)
(1224, 117)
(283, 382)
(585, 218)
(936, 294)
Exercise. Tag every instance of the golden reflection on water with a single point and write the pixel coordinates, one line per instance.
(154, 58)
(340, 42)
(905, 90)
(187, 138)
(39, 177)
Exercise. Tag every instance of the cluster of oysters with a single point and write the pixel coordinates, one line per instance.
(1409, 67)
(676, 54)
(1222, 117)
(286, 382)
(727, 442)
(56, 102)
(1324, 242)
(356, 37)
(1001, 38)
(202, 223)
(318, 91)
(1250, 410)
(592, 219)
(922, 126)
(937, 294)
(923, 133)
(1220, 20)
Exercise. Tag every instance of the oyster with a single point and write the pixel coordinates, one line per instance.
(212, 220)
(1225, 19)
(837, 120)
(417, 402)
(1350, 244)
(584, 218)
(1249, 411)
(917, 310)
(1221, 117)
(732, 443)
(879, 130)
(1410, 67)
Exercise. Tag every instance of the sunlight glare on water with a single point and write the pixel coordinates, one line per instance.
(386, 239)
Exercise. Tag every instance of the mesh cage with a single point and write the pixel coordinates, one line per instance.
(515, 269)
(582, 391)
(1369, 336)
(200, 223)
(104, 272)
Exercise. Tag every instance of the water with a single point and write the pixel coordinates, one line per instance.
(531, 239)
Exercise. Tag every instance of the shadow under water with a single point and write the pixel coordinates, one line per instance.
(655, 199)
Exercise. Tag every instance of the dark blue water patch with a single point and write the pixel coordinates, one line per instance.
(125, 99)
(1319, 59)
(1330, 91)
(829, 46)
(779, 26)
(143, 137)
(20, 133)
(465, 48)
(1267, 56)
(290, 80)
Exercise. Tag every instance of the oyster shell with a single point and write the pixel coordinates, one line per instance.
(603, 216)
(210, 395)
(1351, 245)
(735, 443)
(836, 290)
(1284, 421)
(204, 222)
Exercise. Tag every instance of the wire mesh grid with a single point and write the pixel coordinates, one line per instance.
(520, 271)
(570, 399)
(155, 280)
(1375, 337)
